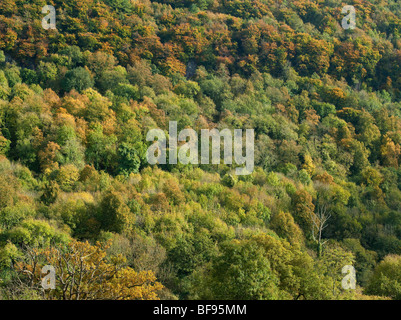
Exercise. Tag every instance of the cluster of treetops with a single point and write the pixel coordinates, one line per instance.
(77, 193)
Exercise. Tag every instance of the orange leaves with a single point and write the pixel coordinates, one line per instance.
(172, 65)
(191, 38)
(74, 103)
(312, 117)
(130, 285)
(313, 55)
(390, 152)
(324, 178)
(303, 209)
(84, 272)
(357, 58)
(47, 157)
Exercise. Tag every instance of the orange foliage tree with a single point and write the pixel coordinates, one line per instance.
(84, 272)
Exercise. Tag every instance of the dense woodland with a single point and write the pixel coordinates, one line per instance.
(77, 193)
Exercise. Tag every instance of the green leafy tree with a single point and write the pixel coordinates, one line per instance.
(114, 214)
(242, 272)
(386, 278)
(78, 79)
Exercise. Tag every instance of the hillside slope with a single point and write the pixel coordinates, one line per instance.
(76, 104)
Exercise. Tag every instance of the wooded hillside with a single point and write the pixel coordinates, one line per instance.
(77, 102)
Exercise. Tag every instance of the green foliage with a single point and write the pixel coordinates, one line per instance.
(2, 56)
(78, 79)
(50, 192)
(8, 254)
(114, 215)
(242, 272)
(35, 233)
(76, 105)
(386, 278)
(129, 158)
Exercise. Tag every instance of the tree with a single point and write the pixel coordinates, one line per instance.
(4, 145)
(78, 79)
(111, 79)
(284, 225)
(2, 56)
(84, 272)
(129, 158)
(47, 73)
(322, 214)
(101, 149)
(50, 193)
(114, 214)
(4, 88)
(331, 263)
(320, 220)
(242, 272)
(303, 210)
(35, 232)
(386, 278)
(67, 176)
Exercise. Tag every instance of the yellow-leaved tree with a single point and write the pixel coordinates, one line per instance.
(84, 272)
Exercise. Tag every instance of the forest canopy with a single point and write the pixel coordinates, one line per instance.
(76, 103)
